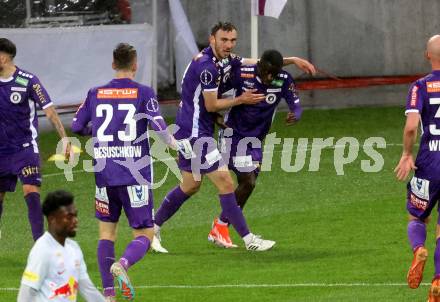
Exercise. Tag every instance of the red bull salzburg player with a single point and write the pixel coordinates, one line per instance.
(56, 270)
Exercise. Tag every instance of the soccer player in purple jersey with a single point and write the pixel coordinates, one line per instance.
(423, 106)
(195, 119)
(120, 113)
(247, 126)
(20, 92)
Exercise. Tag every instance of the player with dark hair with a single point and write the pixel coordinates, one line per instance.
(247, 127)
(195, 120)
(120, 113)
(56, 270)
(223, 39)
(20, 92)
(424, 187)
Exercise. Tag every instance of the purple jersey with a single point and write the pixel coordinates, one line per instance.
(204, 73)
(19, 95)
(255, 120)
(120, 113)
(226, 69)
(424, 98)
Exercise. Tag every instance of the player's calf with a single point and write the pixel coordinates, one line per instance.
(246, 185)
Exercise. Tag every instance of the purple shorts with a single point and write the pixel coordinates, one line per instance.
(136, 200)
(23, 165)
(422, 196)
(206, 157)
(244, 154)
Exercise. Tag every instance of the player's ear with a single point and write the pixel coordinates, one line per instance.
(211, 39)
(134, 67)
(113, 66)
(427, 55)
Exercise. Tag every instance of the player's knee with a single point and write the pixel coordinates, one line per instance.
(247, 181)
(190, 189)
(415, 218)
(107, 236)
(226, 185)
(146, 232)
(27, 189)
(107, 231)
(250, 183)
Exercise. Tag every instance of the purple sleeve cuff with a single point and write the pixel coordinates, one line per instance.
(81, 130)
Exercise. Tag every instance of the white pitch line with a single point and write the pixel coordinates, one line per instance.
(286, 285)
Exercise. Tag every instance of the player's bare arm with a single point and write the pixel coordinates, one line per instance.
(213, 104)
(53, 117)
(302, 64)
(406, 163)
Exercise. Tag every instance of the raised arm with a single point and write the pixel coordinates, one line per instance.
(302, 64)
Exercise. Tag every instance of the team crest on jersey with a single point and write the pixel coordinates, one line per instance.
(15, 97)
(271, 98)
(433, 86)
(152, 105)
(206, 77)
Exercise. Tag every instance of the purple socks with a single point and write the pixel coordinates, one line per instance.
(233, 213)
(35, 214)
(416, 233)
(171, 203)
(106, 257)
(135, 251)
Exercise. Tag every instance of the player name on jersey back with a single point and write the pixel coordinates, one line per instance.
(434, 145)
(117, 152)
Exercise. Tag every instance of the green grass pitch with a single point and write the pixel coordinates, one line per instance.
(339, 238)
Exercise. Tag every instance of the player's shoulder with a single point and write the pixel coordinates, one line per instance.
(42, 246)
(94, 90)
(73, 244)
(282, 79)
(205, 59)
(425, 79)
(144, 89)
(25, 74)
(284, 75)
(24, 77)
